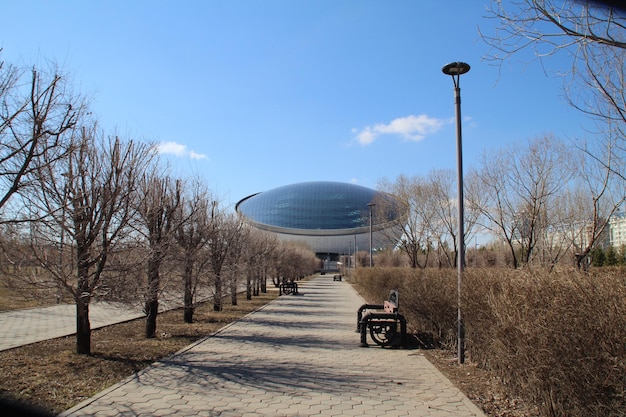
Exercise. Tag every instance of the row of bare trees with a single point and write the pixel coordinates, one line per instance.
(94, 216)
(544, 200)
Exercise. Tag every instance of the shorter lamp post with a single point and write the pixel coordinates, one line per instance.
(356, 252)
(455, 70)
(370, 205)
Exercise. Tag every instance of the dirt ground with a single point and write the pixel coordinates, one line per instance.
(52, 377)
(484, 388)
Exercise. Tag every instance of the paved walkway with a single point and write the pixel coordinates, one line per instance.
(31, 325)
(297, 356)
(22, 327)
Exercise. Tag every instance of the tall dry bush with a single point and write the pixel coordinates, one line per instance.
(427, 297)
(557, 339)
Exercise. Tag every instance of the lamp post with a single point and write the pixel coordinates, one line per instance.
(356, 251)
(370, 205)
(455, 70)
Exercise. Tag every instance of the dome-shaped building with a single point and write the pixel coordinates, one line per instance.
(330, 217)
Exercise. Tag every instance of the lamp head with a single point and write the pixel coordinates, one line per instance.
(455, 68)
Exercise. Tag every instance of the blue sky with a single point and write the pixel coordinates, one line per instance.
(254, 94)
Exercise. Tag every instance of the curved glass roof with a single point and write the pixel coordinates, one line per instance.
(321, 205)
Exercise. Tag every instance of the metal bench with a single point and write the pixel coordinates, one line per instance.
(386, 326)
(288, 288)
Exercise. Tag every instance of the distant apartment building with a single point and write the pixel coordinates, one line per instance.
(578, 235)
(616, 235)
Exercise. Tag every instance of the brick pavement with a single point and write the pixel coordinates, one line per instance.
(26, 326)
(22, 327)
(297, 356)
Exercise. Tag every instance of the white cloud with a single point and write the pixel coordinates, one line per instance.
(469, 122)
(413, 128)
(195, 155)
(177, 149)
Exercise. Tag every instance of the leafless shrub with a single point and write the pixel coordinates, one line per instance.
(557, 339)
(427, 297)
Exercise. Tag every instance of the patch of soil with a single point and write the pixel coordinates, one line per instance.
(483, 388)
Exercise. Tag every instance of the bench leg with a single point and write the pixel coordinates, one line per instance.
(400, 340)
(364, 335)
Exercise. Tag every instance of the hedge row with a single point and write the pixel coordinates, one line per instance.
(558, 339)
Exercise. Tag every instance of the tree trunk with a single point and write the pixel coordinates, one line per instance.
(83, 327)
(256, 284)
(580, 257)
(188, 314)
(233, 291)
(513, 254)
(83, 294)
(152, 309)
(188, 308)
(217, 297)
(152, 302)
(249, 285)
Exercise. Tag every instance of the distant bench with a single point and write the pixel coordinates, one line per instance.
(288, 288)
(383, 322)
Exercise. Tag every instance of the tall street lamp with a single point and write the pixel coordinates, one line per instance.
(370, 205)
(455, 70)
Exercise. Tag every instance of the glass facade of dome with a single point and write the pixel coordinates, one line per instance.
(311, 206)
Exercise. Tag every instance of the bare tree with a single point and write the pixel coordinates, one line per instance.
(223, 233)
(294, 262)
(257, 252)
(235, 256)
(36, 115)
(562, 230)
(603, 193)
(192, 234)
(439, 197)
(431, 220)
(414, 234)
(85, 208)
(594, 36)
(442, 199)
(234, 264)
(157, 208)
(520, 188)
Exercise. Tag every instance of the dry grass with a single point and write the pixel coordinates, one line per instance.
(554, 339)
(484, 388)
(11, 299)
(51, 376)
